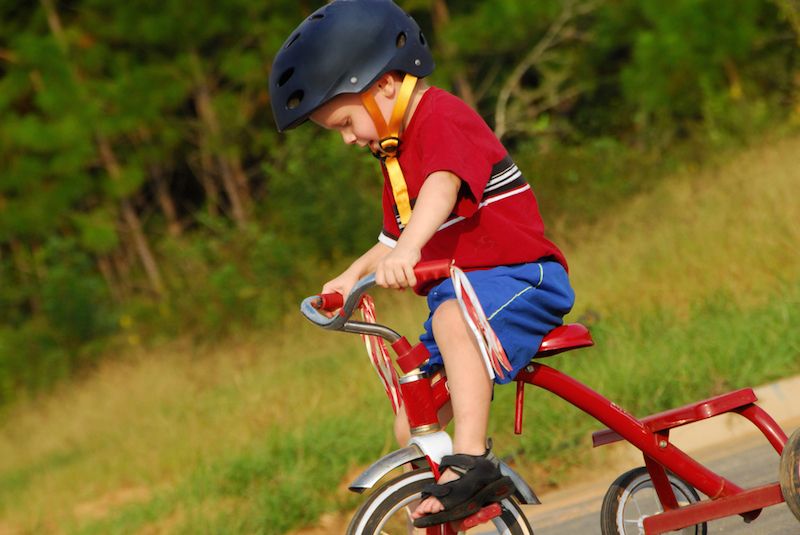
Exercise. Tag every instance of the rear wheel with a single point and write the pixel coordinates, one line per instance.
(632, 498)
(790, 473)
(386, 510)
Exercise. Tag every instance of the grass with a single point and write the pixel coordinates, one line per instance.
(729, 229)
(690, 290)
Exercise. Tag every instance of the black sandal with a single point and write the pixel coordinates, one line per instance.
(480, 484)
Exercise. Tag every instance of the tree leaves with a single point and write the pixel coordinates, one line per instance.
(136, 137)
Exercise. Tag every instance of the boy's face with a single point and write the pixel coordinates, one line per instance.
(347, 115)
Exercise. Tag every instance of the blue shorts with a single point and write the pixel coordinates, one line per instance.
(522, 302)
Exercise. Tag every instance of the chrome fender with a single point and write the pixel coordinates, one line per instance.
(384, 465)
(414, 452)
(431, 446)
(525, 493)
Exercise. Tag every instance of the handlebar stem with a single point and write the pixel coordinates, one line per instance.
(371, 329)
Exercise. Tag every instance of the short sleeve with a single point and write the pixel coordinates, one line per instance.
(460, 142)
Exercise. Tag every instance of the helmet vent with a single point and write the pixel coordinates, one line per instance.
(294, 100)
(285, 76)
(421, 38)
(317, 16)
(291, 41)
(401, 40)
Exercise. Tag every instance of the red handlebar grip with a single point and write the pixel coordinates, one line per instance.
(330, 302)
(432, 270)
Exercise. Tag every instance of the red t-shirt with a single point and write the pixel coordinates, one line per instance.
(496, 219)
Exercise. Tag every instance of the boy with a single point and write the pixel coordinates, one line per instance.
(354, 67)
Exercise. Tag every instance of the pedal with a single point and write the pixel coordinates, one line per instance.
(484, 515)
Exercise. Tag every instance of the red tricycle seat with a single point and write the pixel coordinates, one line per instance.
(564, 338)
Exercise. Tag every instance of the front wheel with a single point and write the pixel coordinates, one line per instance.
(790, 473)
(631, 498)
(386, 513)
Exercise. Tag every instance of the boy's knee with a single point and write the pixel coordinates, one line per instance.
(446, 316)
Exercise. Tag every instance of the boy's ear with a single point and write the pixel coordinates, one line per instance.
(387, 85)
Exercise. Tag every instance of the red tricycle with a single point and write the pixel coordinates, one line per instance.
(668, 473)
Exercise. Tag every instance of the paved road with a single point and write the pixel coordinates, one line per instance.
(748, 464)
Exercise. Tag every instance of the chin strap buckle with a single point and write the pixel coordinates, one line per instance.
(389, 147)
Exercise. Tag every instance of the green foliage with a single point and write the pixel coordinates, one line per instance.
(31, 359)
(231, 280)
(307, 200)
(583, 183)
(98, 233)
(136, 139)
(681, 55)
(508, 25)
(74, 309)
(75, 299)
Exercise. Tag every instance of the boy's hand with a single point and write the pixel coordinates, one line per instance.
(396, 270)
(435, 202)
(341, 284)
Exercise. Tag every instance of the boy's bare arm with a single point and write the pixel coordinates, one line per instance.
(367, 262)
(435, 202)
(363, 265)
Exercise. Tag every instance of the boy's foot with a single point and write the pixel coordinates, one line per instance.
(429, 504)
(468, 483)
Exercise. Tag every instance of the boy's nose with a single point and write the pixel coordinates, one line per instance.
(349, 138)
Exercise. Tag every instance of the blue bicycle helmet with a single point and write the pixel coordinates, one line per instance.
(343, 47)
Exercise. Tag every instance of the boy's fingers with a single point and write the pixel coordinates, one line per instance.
(389, 279)
(405, 275)
(395, 275)
(410, 277)
(392, 279)
(384, 278)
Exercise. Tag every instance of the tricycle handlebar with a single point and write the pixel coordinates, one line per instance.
(329, 302)
(425, 272)
(432, 270)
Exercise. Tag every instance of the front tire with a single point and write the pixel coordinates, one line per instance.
(631, 498)
(385, 510)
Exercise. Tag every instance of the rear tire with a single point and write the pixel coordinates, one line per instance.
(385, 510)
(631, 498)
(789, 474)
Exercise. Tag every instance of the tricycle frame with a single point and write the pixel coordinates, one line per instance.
(651, 437)
(424, 395)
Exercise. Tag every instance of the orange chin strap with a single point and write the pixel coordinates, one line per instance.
(390, 141)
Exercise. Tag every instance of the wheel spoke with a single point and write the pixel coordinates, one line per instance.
(657, 503)
(632, 498)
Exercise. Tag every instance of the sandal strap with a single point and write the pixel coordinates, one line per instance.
(476, 472)
(467, 462)
(460, 460)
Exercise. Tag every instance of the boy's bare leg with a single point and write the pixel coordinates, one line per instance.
(470, 389)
